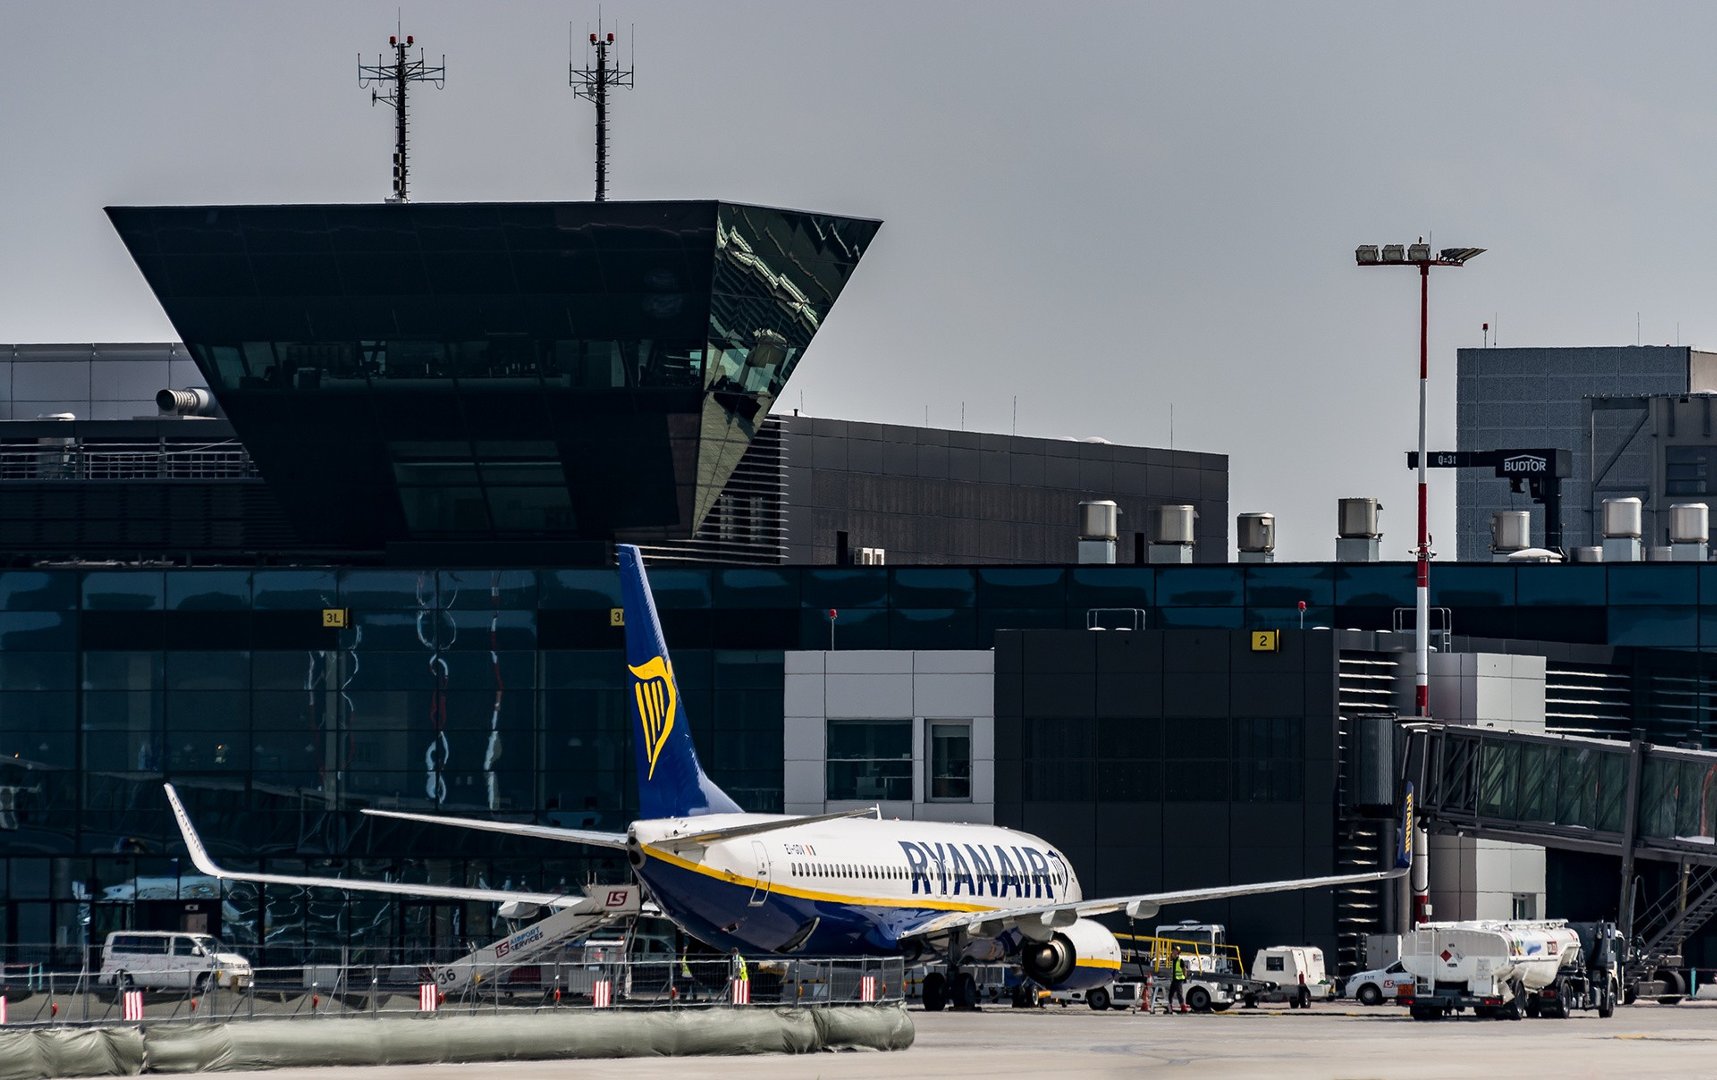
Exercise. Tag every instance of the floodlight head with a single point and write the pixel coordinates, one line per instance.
(1394, 253)
(1365, 254)
(1459, 255)
(1418, 253)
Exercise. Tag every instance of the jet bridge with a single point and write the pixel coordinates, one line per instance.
(1633, 800)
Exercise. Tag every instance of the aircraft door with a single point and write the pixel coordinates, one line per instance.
(761, 892)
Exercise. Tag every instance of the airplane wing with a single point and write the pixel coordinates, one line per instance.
(619, 899)
(544, 832)
(1142, 906)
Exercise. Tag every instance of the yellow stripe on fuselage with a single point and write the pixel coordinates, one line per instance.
(741, 880)
(1112, 965)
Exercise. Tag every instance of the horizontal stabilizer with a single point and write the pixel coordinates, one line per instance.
(715, 836)
(619, 899)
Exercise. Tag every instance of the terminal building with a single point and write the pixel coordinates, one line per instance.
(379, 573)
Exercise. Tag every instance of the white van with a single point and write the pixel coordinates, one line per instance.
(164, 960)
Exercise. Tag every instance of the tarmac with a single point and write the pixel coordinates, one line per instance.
(1340, 1041)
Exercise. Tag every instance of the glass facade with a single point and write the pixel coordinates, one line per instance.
(483, 691)
(521, 370)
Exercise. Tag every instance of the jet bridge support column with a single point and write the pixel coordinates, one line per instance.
(1630, 836)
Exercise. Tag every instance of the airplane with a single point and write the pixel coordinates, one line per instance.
(847, 883)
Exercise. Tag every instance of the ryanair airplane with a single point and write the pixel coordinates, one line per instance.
(843, 884)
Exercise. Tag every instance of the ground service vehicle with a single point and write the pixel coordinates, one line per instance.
(166, 960)
(1489, 967)
(1590, 978)
(1379, 985)
(1293, 974)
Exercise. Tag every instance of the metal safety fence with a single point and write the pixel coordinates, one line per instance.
(36, 997)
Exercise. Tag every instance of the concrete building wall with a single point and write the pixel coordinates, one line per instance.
(1487, 879)
(922, 686)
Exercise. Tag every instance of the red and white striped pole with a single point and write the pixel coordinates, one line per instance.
(1422, 589)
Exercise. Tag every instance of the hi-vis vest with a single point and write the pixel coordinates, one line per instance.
(740, 971)
(1179, 970)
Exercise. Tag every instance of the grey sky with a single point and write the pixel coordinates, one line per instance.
(1099, 208)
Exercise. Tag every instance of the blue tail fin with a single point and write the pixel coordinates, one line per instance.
(671, 783)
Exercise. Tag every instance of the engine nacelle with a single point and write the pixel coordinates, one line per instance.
(1080, 957)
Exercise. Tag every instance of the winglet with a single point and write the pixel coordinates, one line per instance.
(1404, 849)
(193, 842)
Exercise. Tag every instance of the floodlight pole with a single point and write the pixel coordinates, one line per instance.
(1419, 255)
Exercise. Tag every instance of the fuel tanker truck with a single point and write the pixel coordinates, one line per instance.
(1492, 968)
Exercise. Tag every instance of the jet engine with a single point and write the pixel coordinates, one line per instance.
(1079, 957)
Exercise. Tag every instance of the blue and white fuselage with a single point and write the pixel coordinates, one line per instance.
(851, 886)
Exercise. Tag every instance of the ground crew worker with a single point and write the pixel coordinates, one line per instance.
(686, 974)
(1177, 981)
(736, 968)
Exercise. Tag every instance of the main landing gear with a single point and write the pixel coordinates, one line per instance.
(953, 986)
(957, 988)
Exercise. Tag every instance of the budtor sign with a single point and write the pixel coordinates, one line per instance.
(1525, 465)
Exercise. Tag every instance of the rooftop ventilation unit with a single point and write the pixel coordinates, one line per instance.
(1510, 531)
(1174, 533)
(1689, 532)
(1622, 530)
(1257, 537)
(1359, 536)
(1099, 521)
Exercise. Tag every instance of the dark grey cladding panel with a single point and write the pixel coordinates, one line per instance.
(1192, 696)
(932, 462)
(1060, 650)
(1128, 650)
(1059, 695)
(1132, 825)
(1025, 468)
(865, 455)
(1265, 824)
(1061, 472)
(930, 436)
(829, 453)
(1186, 483)
(1098, 476)
(965, 464)
(1265, 694)
(1196, 650)
(900, 458)
(1129, 693)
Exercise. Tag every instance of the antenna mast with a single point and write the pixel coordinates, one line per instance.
(593, 83)
(396, 76)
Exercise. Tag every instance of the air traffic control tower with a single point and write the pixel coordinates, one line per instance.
(448, 374)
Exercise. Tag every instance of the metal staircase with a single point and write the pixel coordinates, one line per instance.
(1664, 927)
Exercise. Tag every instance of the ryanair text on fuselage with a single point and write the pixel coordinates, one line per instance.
(971, 870)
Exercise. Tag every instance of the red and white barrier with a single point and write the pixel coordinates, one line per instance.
(867, 988)
(133, 1004)
(602, 993)
(428, 997)
(2, 1008)
(742, 991)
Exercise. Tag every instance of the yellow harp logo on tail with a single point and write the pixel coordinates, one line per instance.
(654, 690)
